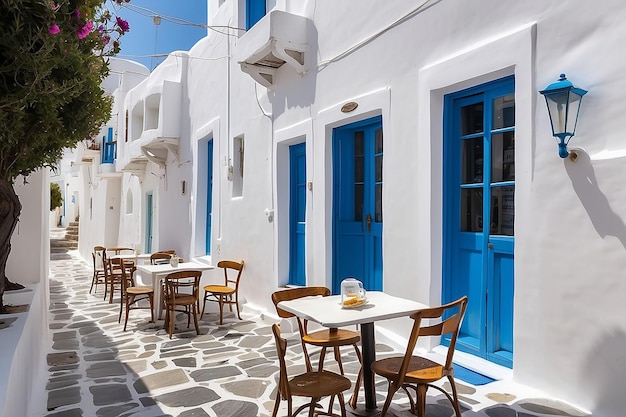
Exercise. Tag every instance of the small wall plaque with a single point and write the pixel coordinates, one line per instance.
(350, 106)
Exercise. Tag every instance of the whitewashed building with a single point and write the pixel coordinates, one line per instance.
(405, 144)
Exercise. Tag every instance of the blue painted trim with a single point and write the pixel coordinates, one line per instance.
(297, 214)
(209, 197)
(108, 148)
(255, 10)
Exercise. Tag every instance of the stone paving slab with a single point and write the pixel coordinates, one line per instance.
(97, 369)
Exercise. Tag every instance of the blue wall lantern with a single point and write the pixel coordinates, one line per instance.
(563, 100)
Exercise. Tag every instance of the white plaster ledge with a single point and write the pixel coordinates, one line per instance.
(22, 346)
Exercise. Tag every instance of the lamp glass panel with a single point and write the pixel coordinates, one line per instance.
(471, 210)
(502, 211)
(503, 157)
(472, 155)
(557, 108)
(504, 111)
(572, 113)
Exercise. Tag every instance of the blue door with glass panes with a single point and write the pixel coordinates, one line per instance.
(479, 214)
(297, 213)
(357, 203)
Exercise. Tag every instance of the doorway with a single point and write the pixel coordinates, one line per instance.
(357, 203)
(479, 214)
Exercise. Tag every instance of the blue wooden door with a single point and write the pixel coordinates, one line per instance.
(297, 214)
(357, 203)
(148, 223)
(209, 195)
(479, 213)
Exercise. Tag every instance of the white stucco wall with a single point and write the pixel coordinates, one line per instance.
(398, 60)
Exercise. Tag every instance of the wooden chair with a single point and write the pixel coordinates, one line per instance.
(182, 289)
(113, 274)
(227, 293)
(99, 260)
(325, 338)
(314, 385)
(119, 250)
(132, 294)
(160, 258)
(418, 373)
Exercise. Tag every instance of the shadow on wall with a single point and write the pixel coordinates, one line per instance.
(604, 219)
(604, 374)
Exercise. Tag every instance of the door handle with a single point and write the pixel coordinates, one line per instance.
(368, 220)
(490, 245)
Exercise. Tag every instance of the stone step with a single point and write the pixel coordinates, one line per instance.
(63, 243)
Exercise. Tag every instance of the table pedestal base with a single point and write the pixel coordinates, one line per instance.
(361, 411)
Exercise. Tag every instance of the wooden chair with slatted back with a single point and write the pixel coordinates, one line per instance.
(325, 338)
(418, 373)
(113, 271)
(132, 294)
(312, 384)
(98, 256)
(160, 258)
(227, 294)
(182, 289)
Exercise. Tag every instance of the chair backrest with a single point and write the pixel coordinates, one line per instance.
(128, 276)
(182, 282)
(295, 293)
(99, 256)
(281, 349)
(160, 258)
(232, 267)
(117, 250)
(442, 320)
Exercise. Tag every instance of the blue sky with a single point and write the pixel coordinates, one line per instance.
(145, 39)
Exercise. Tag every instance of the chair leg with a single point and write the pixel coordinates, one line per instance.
(172, 319)
(342, 405)
(151, 299)
(237, 304)
(455, 396)
(421, 400)
(320, 365)
(93, 281)
(221, 302)
(203, 305)
(129, 301)
(194, 311)
(276, 403)
(359, 379)
(337, 354)
(391, 391)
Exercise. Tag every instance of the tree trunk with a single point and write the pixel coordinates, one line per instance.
(10, 209)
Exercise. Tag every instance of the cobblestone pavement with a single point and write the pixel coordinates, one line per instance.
(97, 369)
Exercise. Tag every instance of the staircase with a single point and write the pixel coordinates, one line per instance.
(63, 240)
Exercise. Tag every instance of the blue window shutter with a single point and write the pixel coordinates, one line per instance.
(255, 10)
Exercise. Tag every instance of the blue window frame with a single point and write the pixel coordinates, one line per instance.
(255, 10)
(108, 148)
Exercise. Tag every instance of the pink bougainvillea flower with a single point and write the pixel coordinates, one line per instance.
(54, 29)
(54, 6)
(84, 30)
(123, 24)
(101, 28)
(106, 40)
(76, 13)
